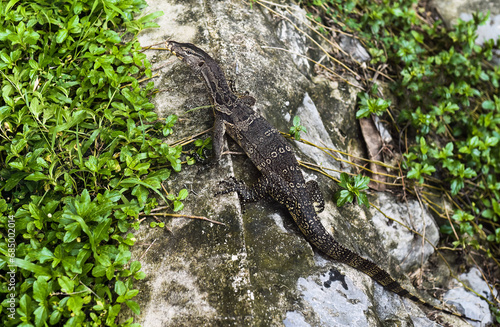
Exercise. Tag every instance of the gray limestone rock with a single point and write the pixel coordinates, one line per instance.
(452, 10)
(468, 303)
(354, 48)
(258, 270)
(405, 247)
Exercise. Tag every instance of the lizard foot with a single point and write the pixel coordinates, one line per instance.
(230, 185)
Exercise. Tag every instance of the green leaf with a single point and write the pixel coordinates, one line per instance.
(99, 271)
(26, 265)
(178, 205)
(92, 164)
(135, 266)
(120, 288)
(428, 169)
(140, 275)
(61, 35)
(133, 306)
(363, 113)
(418, 37)
(363, 200)
(488, 105)
(25, 308)
(345, 196)
(456, 185)
(161, 174)
(74, 24)
(113, 312)
(446, 229)
(44, 255)
(73, 231)
(67, 285)
(101, 232)
(75, 303)
(110, 272)
(41, 316)
(36, 176)
(183, 194)
(150, 17)
(55, 317)
(83, 226)
(40, 289)
(414, 172)
(123, 258)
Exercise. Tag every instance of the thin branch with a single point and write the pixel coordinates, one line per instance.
(149, 247)
(317, 63)
(174, 215)
(188, 139)
(91, 291)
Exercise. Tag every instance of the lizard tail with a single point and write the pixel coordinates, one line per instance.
(379, 275)
(318, 236)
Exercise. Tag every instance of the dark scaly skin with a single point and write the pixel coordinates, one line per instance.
(281, 175)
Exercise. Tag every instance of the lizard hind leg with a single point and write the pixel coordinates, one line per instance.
(316, 196)
(246, 194)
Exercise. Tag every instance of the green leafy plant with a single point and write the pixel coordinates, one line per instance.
(201, 145)
(177, 200)
(447, 92)
(447, 112)
(79, 159)
(154, 224)
(368, 106)
(353, 187)
(296, 129)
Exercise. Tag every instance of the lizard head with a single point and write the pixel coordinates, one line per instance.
(193, 56)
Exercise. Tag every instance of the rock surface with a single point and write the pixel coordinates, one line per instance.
(451, 10)
(258, 270)
(467, 302)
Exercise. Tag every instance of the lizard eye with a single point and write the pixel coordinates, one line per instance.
(201, 63)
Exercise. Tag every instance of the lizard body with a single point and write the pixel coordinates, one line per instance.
(281, 177)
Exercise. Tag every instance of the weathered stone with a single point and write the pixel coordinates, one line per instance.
(405, 247)
(468, 303)
(354, 48)
(258, 270)
(452, 10)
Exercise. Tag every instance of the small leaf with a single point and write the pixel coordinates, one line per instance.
(99, 271)
(183, 194)
(133, 306)
(40, 289)
(61, 35)
(488, 105)
(36, 176)
(363, 199)
(178, 205)
(67, 285)
(41, 316)
(120, 288)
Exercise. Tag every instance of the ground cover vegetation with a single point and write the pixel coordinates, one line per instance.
(447, 114)
(81, 155)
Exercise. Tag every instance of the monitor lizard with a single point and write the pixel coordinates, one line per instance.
(281, 176)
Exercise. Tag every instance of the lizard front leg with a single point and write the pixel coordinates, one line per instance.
(246, 194)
